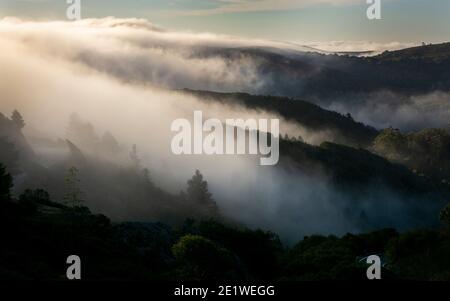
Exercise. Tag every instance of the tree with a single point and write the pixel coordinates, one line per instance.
(199, 258)
(147, 177)
(30, 199)
(134, 157)
(17, 119)
(198, 193)
(6, 184)
(74, 194)
(110, 144)
(37, 196)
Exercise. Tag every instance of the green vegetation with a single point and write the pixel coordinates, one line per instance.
(198, 258)
(350, 167)
(37, 235)
(333, 258)
(426, 152)
(40, 228)
(36, 242)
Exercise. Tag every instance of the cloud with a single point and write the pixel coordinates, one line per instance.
(118, 75)
(138, 51)
(43, 77)
(408, 113)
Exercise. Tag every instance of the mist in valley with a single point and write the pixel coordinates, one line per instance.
(102, 94)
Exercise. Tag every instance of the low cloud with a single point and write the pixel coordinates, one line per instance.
(118, 75)
(386, 109)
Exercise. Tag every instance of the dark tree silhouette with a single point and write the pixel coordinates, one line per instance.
(17, 119)
(198, 193)
(30, 199)
(37, 196)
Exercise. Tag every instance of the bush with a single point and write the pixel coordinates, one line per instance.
(199, 259)
(30, 199)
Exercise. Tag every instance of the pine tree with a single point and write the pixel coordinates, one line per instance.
(17, 119)
(73, 197)
(135, 161)
(198, 193)
(147, 176)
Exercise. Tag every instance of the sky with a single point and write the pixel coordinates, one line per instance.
(283, 20)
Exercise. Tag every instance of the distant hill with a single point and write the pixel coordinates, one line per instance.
(435, 53)
(315, 75)
(365, 190)
(369, 186)
(345, 130)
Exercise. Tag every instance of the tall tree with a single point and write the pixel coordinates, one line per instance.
(198, 193)
(17, 119)
(6, 183)
(134, 157)
(73, 196)
(147, 177)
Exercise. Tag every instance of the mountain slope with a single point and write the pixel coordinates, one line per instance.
(315, 76)
(345, 129)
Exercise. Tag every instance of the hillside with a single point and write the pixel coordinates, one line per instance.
(373, 190)
(322, 77)
(345, 130)
(425, 152)
(198, 250)
(432, 52)
(352, 181)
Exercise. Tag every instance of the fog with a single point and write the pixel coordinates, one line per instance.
(408, 113)
(137, 52)
(117, 75)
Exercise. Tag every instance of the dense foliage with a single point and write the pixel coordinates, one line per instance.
(426, 152)
(35, 244)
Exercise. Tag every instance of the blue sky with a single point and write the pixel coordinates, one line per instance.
(289, 20)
